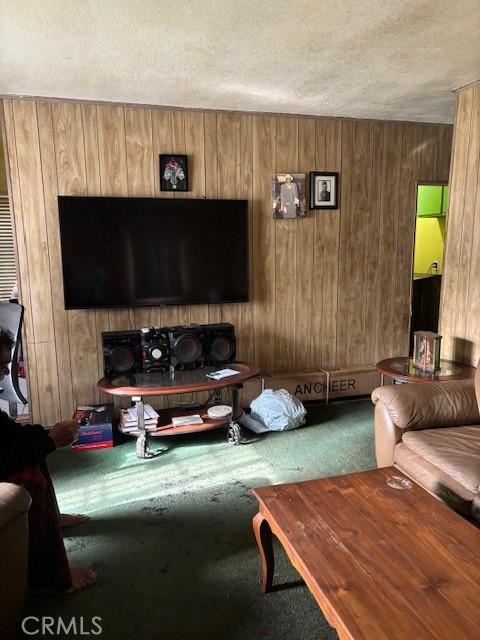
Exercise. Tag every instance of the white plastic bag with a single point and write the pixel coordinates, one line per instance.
(275, 411)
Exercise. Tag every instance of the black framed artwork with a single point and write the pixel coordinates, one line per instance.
(323, 190)
(173, 172)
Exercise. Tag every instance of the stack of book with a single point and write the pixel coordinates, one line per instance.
(129, 422)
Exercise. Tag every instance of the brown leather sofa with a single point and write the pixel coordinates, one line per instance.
(14, 505)
(431, 432)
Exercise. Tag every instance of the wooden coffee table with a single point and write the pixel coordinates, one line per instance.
(382, 562)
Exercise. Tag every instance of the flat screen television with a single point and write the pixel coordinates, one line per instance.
(133, 252)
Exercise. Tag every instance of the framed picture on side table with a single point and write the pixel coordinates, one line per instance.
(323, 190)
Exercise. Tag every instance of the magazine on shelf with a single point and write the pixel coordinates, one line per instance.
(128, 418)
(134, 428)
(149, 413)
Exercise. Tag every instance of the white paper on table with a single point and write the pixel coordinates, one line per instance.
(222, 373)
(181, 421)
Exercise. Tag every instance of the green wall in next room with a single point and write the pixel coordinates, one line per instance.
(429, 244)
(430, 227)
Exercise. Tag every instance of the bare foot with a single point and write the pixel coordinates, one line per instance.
(81, 578)
(71, 519)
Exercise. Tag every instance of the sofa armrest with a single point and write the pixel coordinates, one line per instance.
(14, 502)
(409, 407)
(387, 436)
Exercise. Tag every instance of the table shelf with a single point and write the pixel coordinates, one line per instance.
(166, 428)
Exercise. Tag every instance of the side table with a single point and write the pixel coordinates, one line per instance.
(401, 368)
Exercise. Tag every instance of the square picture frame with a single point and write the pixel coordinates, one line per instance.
(173, 172)
(324, 189)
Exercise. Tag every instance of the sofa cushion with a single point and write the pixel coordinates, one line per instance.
(455, 451)
(433, 480)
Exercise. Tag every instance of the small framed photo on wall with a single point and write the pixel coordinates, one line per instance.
(323, 190)
(173, 172)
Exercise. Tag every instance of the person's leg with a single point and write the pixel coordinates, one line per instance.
(48, 566)
(66, 519)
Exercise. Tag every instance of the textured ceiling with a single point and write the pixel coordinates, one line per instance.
(392, 59)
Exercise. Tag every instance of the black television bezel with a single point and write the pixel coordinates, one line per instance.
(157, 304)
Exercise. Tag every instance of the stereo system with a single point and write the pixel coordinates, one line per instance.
(155, 349)
(181, 347)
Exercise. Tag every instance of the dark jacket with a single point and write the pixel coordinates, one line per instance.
(21, 445)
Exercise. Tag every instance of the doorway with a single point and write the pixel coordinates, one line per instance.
(432, 199)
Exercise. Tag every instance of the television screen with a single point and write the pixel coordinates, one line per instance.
(152, 251)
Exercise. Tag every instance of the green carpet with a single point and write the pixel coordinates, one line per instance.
(171, 537)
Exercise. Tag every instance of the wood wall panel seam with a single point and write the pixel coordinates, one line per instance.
(370, 249)
(474, 298)
(33, 202)
(49, 414)
(11, 157)
(456, 218)
(397, 306)
(447, 221)
(468, 225)
(30, 229)
(61, 344)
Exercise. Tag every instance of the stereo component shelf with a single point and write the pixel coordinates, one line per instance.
(166, 428)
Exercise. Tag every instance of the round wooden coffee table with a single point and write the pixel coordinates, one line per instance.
(141, 385)
(401, 368)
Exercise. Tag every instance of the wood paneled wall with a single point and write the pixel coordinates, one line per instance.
(3, 173)
(460, 306)
(328, 291)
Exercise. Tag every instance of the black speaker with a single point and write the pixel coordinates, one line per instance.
(122, 352)
(220, 343)
(155, 349)
(187, 346)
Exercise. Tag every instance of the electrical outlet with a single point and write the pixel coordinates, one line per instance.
(435, 265)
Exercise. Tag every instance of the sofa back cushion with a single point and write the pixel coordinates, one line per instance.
(429, 405)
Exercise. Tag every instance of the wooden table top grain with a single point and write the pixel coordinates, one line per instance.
(381, 562)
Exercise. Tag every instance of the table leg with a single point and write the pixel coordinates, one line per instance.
(263, 536)
(235, 433)
(141, 446)
(234, 430)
